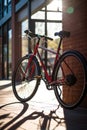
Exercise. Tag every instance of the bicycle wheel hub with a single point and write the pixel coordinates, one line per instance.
(70, 79)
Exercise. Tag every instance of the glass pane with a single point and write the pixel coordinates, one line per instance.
(4, 52)
(5, 11)
(24, 26)
(9, 5)
(38, 15)
(39, 28)
(10, 53)
(9, 1)
(0, 10)
(5, 61)
(5, 7)
(54, 16)
(5, 2)
(55, 5)
(54, 10)
(53, 45)
(55, 27)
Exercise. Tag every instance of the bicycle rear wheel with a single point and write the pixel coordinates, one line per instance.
(70, 73)
(25, 83)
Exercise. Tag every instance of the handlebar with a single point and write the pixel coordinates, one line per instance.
(31, 34)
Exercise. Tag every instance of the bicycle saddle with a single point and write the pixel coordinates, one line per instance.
(62, 34)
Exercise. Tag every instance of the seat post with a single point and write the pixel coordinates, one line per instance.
(58, 49)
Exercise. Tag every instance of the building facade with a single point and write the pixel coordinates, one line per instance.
(17, 16)
(43, 17)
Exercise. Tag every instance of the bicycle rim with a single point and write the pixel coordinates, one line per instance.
(71, 74)
(25, 84)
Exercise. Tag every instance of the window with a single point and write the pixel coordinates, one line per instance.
(10, 53)
(9, 5)
(5, 3)
(39, 15)
(39, 28)
(9, 1)
(0, 9)
(47, 21)
(5, 8)
(54, 10)
(5, 53)
(24, 26)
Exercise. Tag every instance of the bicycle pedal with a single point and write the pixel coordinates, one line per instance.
(38, 76)
(50, 88)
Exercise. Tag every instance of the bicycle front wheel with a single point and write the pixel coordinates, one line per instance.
(25, 79)
(70, 73)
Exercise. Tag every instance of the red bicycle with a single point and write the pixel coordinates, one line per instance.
(68, 77)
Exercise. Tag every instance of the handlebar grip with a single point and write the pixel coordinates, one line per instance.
(62, 34)
(30, 33)
(26, 31)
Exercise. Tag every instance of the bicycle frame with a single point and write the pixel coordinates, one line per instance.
(47, 76)
(64, 79)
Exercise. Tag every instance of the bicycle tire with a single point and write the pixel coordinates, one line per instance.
(25, 86)
(72, 80)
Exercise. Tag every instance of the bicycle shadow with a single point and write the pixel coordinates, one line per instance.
(44, 120)
(4, 116)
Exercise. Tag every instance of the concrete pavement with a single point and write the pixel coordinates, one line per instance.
(41, 113)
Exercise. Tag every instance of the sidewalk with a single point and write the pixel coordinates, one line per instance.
(41, 113)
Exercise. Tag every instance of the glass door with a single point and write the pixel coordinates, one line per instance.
(24, 26)
(10, 54)
(4, 54)
(7, 54)
(48, 20)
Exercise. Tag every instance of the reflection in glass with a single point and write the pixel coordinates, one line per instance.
(5, 60)
(9, 5)
(10, 53)
(5, 7)
(0, 10)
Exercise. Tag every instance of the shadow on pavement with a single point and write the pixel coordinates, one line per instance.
(25, 107)
(44, 120)
(5, 85)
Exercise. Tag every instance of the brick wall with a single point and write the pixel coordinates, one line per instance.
(75, 21)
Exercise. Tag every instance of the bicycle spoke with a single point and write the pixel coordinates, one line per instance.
(71, 81)
(25, 83)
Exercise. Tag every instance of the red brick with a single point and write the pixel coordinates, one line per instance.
(76, 23)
